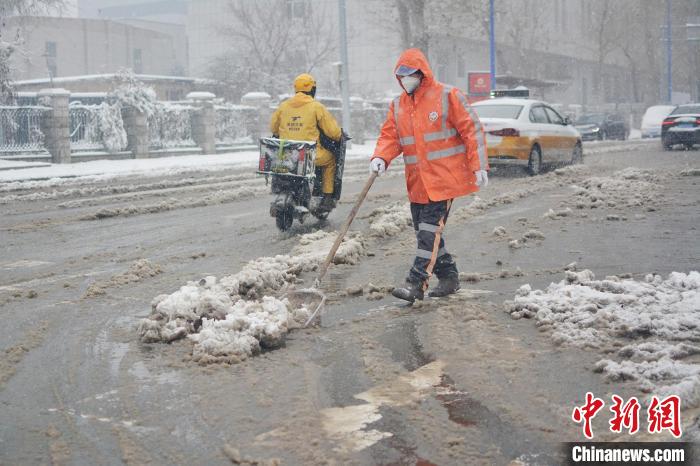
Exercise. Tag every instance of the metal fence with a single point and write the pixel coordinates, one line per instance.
(20, 129)
(233, 124)
(84, 128)
(170, 126)
(96, 128)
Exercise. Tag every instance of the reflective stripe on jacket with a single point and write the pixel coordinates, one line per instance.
(439, 135)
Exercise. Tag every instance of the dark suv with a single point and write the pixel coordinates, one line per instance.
(600, 126)
(682, 126)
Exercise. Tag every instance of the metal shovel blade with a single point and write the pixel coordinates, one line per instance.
(310, 298)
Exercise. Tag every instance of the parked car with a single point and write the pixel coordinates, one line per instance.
(527, 132)
(682, 126)
(601, 126)
(652, 119)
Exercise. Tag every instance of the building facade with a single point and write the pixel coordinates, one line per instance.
(162, 11)
(59, 47)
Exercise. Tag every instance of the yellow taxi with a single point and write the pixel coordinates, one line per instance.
(527, 132)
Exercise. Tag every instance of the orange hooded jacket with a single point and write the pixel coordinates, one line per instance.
(439, 135)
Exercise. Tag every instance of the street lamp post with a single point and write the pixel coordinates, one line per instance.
(344, 73)
(669, 59)
(492, 45)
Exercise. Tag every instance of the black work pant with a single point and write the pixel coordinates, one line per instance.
(431, 256)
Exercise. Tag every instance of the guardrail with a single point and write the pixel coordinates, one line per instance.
(96, 128)
(20, 129)
(170, 126)
(232, 124)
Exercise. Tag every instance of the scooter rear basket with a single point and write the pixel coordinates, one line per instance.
(287, 157)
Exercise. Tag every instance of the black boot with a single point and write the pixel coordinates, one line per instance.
(327, 203)
(446, 286)
(409, 292)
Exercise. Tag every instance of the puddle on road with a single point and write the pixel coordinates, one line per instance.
(347, 425)
(403, 340)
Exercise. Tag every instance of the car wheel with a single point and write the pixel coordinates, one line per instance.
(665, 145)
(577, 154)
(689, 146)
(284, 218)
(534, 162)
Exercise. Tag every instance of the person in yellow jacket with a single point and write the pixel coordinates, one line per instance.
(302, 118)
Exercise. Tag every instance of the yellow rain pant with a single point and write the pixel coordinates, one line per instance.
(326, 161)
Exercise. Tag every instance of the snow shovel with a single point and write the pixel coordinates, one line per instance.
(315, 292)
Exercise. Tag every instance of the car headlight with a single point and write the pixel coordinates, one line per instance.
(595, 130)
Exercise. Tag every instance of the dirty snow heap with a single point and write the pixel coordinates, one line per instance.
(651, 328)
(233, 318)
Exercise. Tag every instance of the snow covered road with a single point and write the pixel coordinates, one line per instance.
(378, 382)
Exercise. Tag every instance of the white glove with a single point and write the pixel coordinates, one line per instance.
(377, 165)
(482, 178)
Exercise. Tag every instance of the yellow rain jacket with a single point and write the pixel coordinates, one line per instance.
(300, 118)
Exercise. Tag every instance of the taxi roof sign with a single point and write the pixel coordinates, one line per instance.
(520, 92)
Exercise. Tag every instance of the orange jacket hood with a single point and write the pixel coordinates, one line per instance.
(414, 58)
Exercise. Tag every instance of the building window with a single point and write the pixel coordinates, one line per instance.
(138, 61)
(50, 54)
(298, 8)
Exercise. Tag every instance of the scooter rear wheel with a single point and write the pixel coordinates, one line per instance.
(284, 219)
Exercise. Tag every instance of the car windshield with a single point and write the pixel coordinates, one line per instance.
(686, 110)
(590, 119)
(498, 111)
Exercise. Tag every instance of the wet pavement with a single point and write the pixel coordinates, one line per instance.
(451, 381)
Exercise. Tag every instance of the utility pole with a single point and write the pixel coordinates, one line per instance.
(492, 44)
(669, 59)
(344, 73)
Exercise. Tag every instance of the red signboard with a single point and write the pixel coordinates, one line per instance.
(479, 83)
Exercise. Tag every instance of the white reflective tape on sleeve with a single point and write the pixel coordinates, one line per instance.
(445, 105)
(480, 149)
(407, 141)
(449, 152)
(423, 254)
(410, 159)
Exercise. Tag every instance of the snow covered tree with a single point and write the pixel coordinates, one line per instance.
(11, 41)
(423, 23)
(274, 40)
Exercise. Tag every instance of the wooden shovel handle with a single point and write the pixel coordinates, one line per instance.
(346, 227)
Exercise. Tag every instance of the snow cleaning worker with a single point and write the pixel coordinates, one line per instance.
(302, 118)
(444, 152)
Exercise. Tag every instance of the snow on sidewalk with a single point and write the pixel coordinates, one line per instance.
(650, 329)
(105, 169)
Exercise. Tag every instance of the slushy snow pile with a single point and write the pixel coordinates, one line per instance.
(630, 187)
(390, 220)
(651, 328)
(233, 318)
(138, 270)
